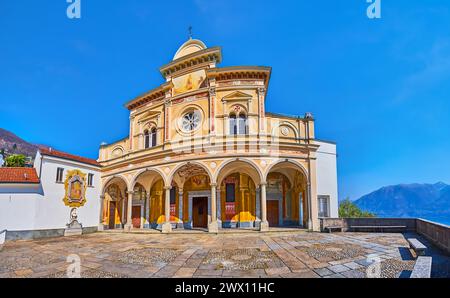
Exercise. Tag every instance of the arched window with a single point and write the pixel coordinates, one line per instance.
(150, 138)
(153, 137)
(238, 125)
(242, 125)
(146, 139)
(233, 124)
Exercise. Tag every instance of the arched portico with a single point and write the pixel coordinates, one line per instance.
(238, 182)
(192, 197)
(113, 203)
(287, 193)
(148, 204)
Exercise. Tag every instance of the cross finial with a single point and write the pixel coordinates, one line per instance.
(190, 32)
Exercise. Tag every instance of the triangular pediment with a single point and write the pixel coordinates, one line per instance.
(149, 115)
(237, 96)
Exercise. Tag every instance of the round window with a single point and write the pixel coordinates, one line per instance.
(191, 121)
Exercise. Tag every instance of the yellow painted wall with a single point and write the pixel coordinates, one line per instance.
(157, 203)
(245, 195)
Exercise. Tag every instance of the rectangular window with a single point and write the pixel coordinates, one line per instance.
(173, 198)
(230, 193)
(90, 179)
(324, 206)
(59, 175)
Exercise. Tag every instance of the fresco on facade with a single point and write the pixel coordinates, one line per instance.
(188, 82)
(75, 189)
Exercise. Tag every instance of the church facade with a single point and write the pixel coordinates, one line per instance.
(203, 153)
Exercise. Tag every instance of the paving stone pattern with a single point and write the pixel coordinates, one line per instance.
(296, 254)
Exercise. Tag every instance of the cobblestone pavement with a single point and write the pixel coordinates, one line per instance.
(276, 254)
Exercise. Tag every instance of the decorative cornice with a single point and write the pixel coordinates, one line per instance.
(152, 95)
(240, 72)
(205, 56)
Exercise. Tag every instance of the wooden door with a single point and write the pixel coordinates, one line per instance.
(273, 213)
(200, 212)
(112, 215)
(136, 217)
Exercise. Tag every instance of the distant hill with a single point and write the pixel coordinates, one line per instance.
(15, 145)
(430, 201)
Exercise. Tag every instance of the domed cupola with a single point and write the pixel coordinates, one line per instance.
(189, 47)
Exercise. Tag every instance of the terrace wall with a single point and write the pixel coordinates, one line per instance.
(436, 233)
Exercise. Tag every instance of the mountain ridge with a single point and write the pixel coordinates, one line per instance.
(409, 200)
(16, 145)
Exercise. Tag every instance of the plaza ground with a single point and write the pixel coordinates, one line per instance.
(297, 254)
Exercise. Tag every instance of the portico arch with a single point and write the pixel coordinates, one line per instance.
(187, 165)
(287, 164)
(191, 196)
(119, 179)
(239, 200)
(113, 203)
(288, 199)
(239, 164)
(151, 209)
(152, 175)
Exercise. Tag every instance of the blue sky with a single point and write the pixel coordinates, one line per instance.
(379, 88)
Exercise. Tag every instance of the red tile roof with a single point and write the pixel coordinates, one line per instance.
(18, 175)
(63, 155)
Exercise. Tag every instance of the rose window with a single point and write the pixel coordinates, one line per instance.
(191, 121)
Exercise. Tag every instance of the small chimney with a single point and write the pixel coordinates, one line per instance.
(25, 176)
(50, 149)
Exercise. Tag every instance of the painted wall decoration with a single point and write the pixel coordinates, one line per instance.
(75, 189)
(199, 181)
(188, 82)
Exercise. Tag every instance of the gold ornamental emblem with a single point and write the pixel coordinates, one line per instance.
(75, 186)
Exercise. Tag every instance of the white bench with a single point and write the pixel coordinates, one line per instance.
(417, 246)
(422, 268)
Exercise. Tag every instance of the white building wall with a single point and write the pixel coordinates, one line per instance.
(41, 207)
(327, 175)
(52, 213)
(17, 208)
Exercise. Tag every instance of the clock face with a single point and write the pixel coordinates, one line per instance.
(191, 121)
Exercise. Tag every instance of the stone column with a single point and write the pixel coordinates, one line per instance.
(102, 204)
(300, 210)
(147, 212)
(213, 227)
(264, 223)
(258, 208)
(167, 226)
(219, 209)
(309, 203)
(180, 207)
(129, 224)
(123, 215)
(243, 206)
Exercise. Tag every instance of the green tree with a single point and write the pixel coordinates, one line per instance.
(348, 209)
(15, 160)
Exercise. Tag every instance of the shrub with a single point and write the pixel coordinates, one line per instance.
(16, 160)
(348, 209)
